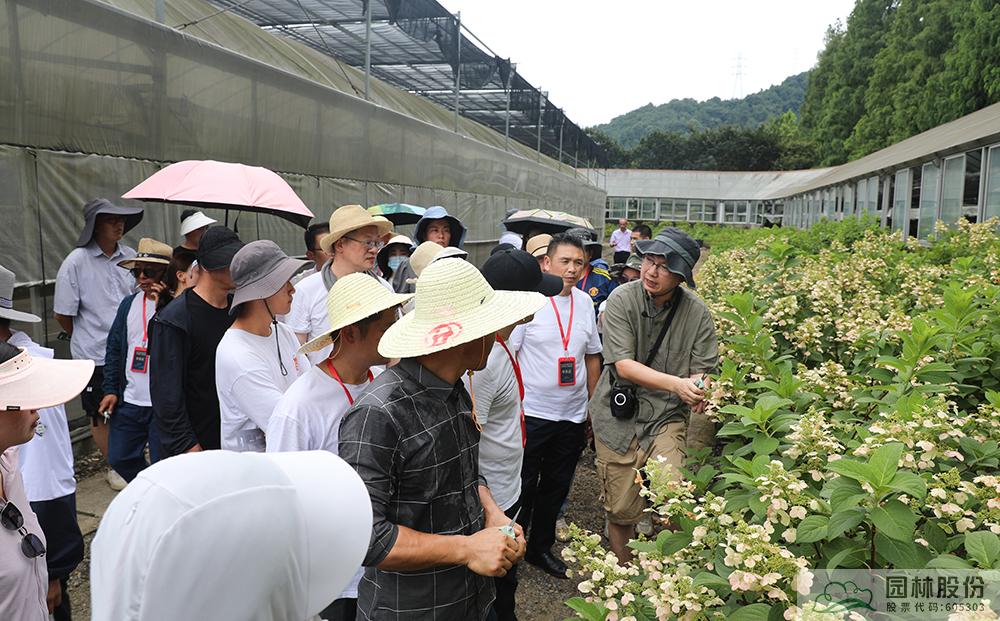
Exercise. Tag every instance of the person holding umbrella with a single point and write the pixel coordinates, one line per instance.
(126, 382)
(353, 242)
(183, 340)
(89, 287)
(257, 359)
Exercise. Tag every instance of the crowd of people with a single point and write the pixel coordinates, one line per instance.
(462, 397)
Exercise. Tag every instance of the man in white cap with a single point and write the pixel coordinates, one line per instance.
(29, 384)
(126, 378)
(193, 226)
(412, 436)
(559, 352)
(47, 466)
(223, 535)
(307, 417)
(89, 287)
(257, 359)
(183, 341)
(353, 243)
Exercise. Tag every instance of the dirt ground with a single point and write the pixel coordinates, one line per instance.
(539, 596)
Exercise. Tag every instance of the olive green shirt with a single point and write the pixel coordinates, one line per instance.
(631, 325)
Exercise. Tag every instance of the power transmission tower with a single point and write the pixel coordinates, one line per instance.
(738, 77)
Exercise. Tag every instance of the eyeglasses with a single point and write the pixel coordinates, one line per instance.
(372, 244)
(148, 272)
(11, 518)
(653, 265)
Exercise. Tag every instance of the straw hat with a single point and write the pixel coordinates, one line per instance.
(454, 305)
(351, 218)
(351, 299)
(7, 299)
(149, 251)
(32, 383)
(538, 245)
(429, 252)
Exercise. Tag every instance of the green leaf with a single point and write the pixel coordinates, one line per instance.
(710, 580)
(763, 445)
(841, 556)
(845, 493)
(894, 519)
(670, 542)
(902, 554)
(732, 429)
(812, 528)
(884, 462)
(984, 547)
(906, 482)
(853, 470)
(948, 561)
(843, 521)
(935, 536)
(753, 612)
(587, 610)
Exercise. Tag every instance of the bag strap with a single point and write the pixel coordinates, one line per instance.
(666, 325)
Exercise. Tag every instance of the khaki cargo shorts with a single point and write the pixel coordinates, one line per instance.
(617, 473)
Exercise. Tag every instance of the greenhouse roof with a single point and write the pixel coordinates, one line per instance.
(416, 45)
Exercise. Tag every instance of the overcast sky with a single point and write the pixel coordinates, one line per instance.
(599, 58)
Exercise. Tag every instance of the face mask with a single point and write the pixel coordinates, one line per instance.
(395, 261)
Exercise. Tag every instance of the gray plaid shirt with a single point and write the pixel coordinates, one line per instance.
(412, 439)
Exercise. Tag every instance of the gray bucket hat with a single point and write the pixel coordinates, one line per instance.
(259, 270)
(7, 299)
(677, 247)
(133, 215)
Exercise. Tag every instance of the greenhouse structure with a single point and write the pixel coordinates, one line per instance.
(945, 173)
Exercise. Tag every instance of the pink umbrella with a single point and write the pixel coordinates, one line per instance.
(223, 185)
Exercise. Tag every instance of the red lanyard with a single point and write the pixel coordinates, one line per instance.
(583, 281)
(145, 336)
(336, 376)
(520, 389)
(569, 327)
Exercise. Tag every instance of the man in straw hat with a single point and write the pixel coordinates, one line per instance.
(308, 415)
(89, 287)
(353, 242)
(183, 342)
(27, 384)
(47, 466)
(413, 438)
(257, 359)
(126, 378)
(668, 374)
(498, 391)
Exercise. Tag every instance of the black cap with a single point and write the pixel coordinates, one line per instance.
(516, 270)
(217, 248)
(501, 248)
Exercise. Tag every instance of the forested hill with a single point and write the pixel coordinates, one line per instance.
(681, 115)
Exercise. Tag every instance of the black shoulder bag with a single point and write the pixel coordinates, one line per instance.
(623, 399)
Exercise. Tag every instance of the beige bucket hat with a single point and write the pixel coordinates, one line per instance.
(351, 218)
(429, 252)
(31, 382)
(538, 245)
(351, 299)
(149, 251)
(454, 305)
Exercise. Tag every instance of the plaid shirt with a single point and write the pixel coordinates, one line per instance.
(412, 439)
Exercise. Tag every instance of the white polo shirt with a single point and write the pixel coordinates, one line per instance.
(137, 384)
(539, 347)
(89, 288)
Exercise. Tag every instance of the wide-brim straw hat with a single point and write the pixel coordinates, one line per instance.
(149, 251)
(351, 218)
(32, 383)
(454, 305)
(351, 299)
(7, 299)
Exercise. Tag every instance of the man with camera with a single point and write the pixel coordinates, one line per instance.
(646, 393)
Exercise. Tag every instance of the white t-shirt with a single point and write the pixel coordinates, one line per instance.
(46, 461)
(498, 410)
(137, 384)
(307, 418)
(249, 382)
(540, 346)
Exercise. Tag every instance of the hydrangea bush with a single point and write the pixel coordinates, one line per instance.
(858, 411)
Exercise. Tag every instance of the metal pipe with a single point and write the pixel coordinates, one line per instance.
(506, 129)
(458, 63)
(541, 107)
(562, 123)
(368, 48)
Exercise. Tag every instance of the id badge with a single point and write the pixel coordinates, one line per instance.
(140, 360)
(567, 371)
